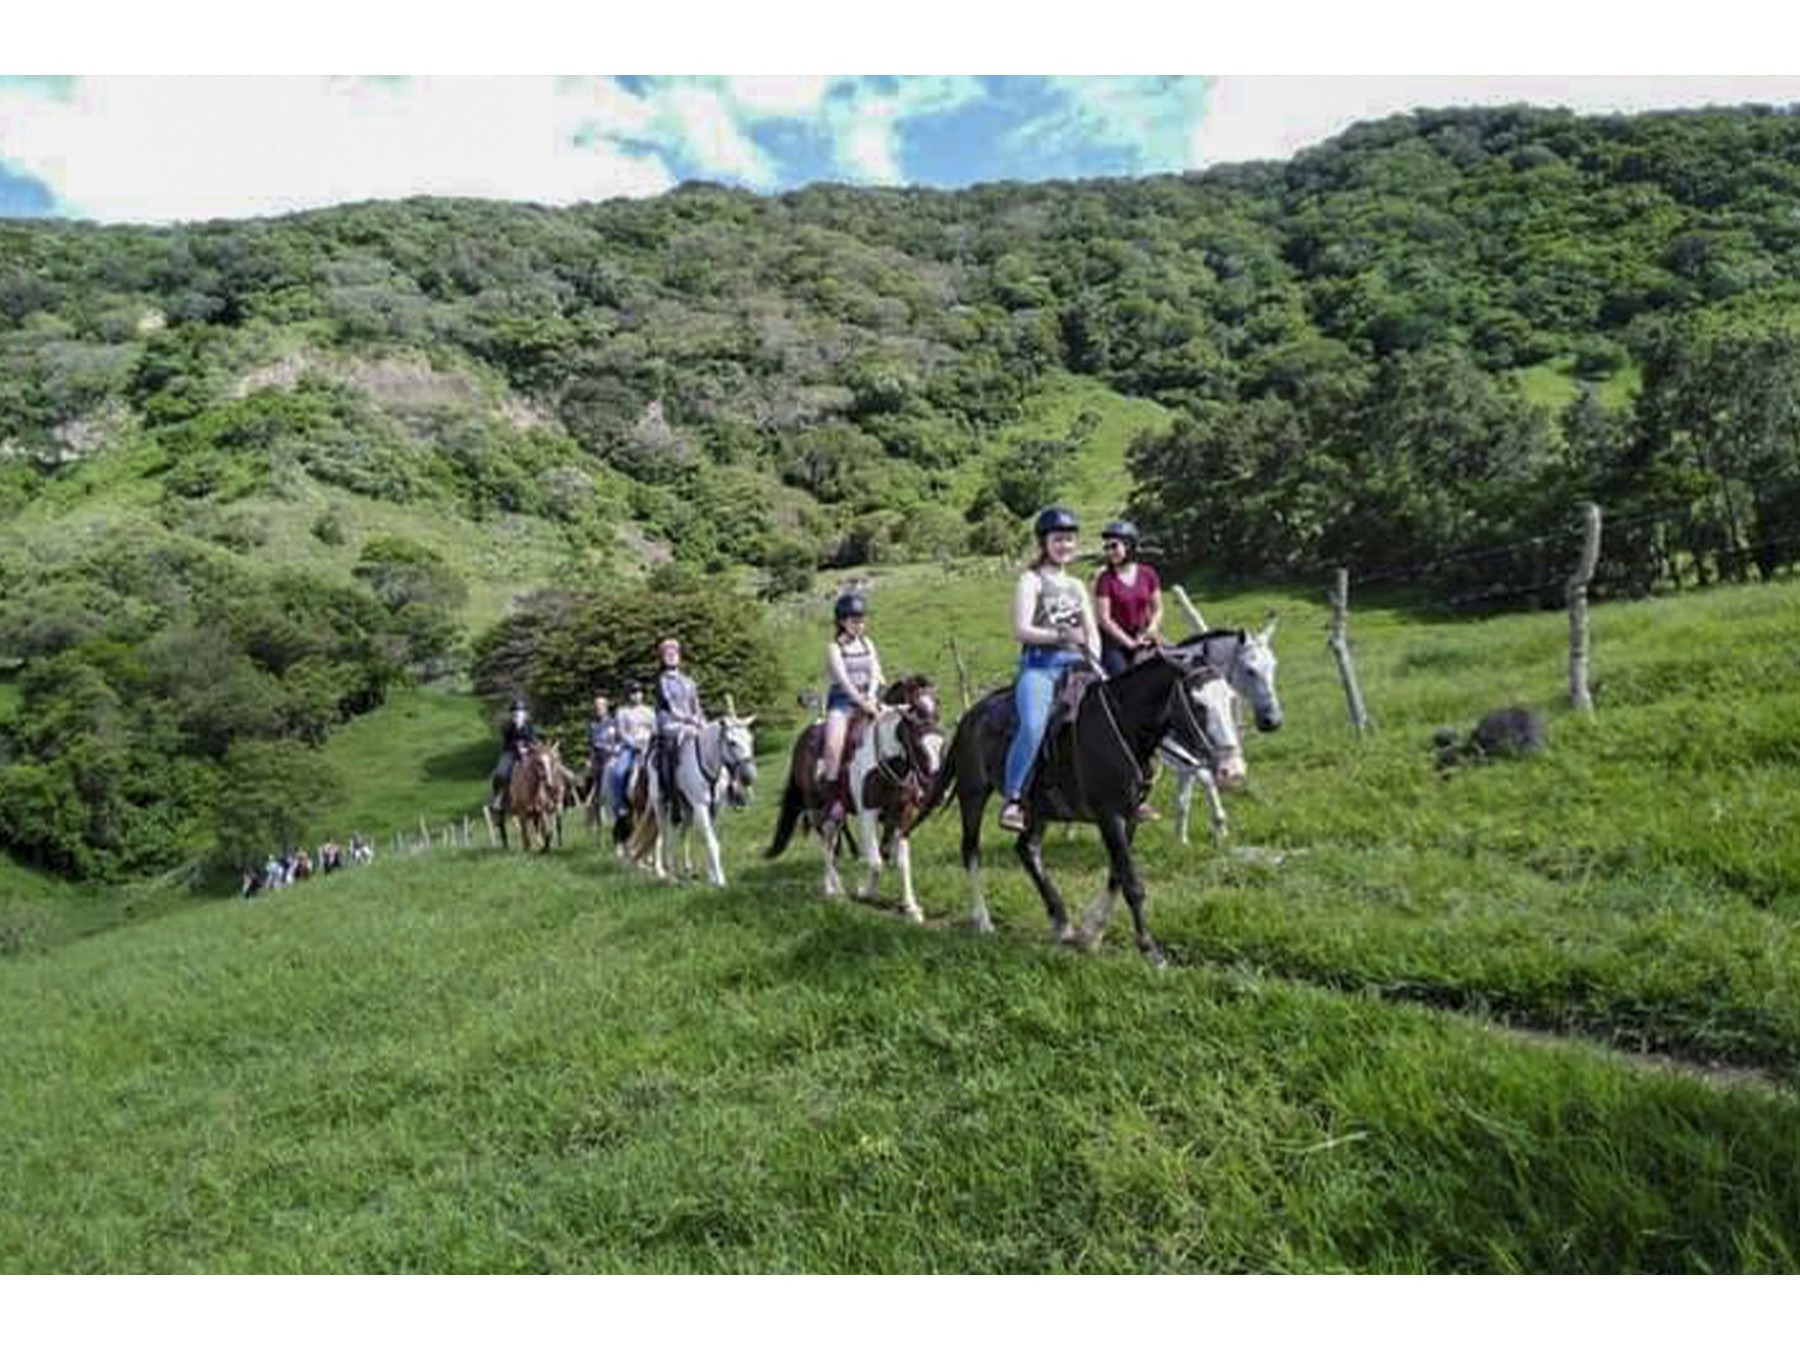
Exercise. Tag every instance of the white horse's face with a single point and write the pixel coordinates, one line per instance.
(1212, 703)
(931, 746)
(1256, 659)
(739, 753)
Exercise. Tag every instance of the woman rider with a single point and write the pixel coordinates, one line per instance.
(1055, 627)
(636, 724)
(1127, 599)
(853, 676)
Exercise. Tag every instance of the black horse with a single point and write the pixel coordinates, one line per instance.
(1094, 767)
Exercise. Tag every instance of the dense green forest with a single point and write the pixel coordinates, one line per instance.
(713, 392)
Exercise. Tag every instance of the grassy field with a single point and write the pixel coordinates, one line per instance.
(1392, 1039)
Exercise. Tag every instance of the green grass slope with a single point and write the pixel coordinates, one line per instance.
(484, 1063)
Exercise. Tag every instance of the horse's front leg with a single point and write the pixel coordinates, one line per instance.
(660, 843)
(1115, 832)
(866, 823)
(1184, 801)
(909, 903)
(1215, 805)
(709, 834)
(1030, 849)
(829, 833)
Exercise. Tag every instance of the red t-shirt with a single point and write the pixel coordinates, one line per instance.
(1131, 605)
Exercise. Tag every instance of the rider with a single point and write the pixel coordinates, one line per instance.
(603, 742)
(853, 677)
(679, 717)
(1127, 599)
(1054, 624)
(516, 734)
(636, 723)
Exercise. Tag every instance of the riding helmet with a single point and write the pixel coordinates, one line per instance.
(1121, 529)
(1056, 520)
(851, 604)
(518, 704)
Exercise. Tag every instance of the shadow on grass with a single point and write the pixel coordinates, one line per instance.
(471, 762)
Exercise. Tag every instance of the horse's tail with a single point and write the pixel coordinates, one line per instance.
(792, 805)
(944, 779)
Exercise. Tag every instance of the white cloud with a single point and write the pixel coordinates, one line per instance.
(1273, 116)
(705, 127)
(1154, 115)
(161, 148)
(779, 95)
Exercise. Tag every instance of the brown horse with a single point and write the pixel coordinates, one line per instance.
(886, 777)
(535, 796)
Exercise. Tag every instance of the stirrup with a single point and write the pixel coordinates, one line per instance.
(1012, 817)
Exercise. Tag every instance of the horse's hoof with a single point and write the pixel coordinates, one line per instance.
(984, 925)
(1156, 958)
(914, 913)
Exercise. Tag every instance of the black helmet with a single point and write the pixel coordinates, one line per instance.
(1121, 529)
(851, 604)
(518, 704)
(633, 687)
(1056, 519)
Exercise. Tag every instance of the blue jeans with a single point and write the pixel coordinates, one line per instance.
(1039, 670)
(618, 773)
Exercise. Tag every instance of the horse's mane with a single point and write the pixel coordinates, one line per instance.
(906, 688)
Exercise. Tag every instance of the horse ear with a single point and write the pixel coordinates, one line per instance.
(1268, 630)
(750, 721)
(730, 707)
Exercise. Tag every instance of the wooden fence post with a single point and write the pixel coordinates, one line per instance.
(1580, 640)
(1188, 608)
(1339, 642)
(962, 674)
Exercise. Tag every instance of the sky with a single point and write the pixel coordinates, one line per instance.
(162, 148)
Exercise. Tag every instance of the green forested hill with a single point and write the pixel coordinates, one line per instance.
(326, 451)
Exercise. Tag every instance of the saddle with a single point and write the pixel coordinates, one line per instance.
(1070, 691)
(815, 744)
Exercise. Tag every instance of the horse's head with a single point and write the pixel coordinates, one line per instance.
(914, 731)
(1205, 725)
(1253, 676)
(737, 752)
(1247, 661)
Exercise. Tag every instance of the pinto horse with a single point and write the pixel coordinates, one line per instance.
(886, 778)
(535, 797)
(1093, 767)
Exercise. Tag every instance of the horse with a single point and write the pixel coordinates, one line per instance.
(887, 776)
(1093, 767)
(534, 796)
(716, 766)
(1247, 661)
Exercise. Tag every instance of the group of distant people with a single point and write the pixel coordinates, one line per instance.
(296, 865)
(619, 738)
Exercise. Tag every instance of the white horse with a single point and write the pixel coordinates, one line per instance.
(716, 765)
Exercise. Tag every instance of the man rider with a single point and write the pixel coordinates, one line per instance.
(603, 744)
(516, 733)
